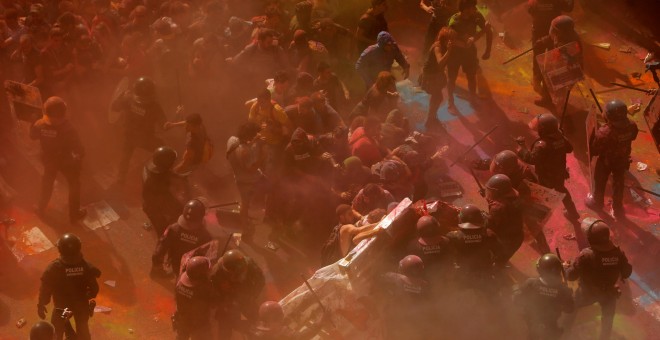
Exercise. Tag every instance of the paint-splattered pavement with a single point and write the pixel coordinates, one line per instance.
(141, 307)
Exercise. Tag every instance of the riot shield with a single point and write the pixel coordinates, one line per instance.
(542, 202)
(352, 319)
(561, 70)
(124, 84)
(24, 101)
(561, 66)
(591, 124)
(652, 118)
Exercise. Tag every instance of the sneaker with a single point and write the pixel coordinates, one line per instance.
(591, 203)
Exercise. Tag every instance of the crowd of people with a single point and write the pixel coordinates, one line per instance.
(322, 143)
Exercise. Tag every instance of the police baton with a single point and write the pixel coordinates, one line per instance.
(482, 192)
(518, 56)
(224, 249)
(563, 272)
(318, 300)
(223, 205)
(563, 112)
(473, 146)
(644, 190)
(650, 92)
(593, 95)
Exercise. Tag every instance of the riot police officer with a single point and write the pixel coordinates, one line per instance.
(543, 12)
(141, 113)
(548, 154)
(507, 163)
(71, 282)
(597, 269)
(158, 201)
(432, 247)
(562, 32)
(504, 216)
(188, 233)
(194, 300)
(544, 298)
(407, 301)
(61, 152)
(612, 143)
(238, 281)
(475, 248)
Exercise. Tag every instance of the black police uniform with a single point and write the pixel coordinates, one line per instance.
(139, 120)
(61, 152)
(506, 220)
(71, 286)
(613, 147)
(475, 250)
(193, 310)
(548, 155)
(542, 12)
(236, 298)
(176, 241)
(598, 273)
(158, 202)
(543, 304)
(437, 258)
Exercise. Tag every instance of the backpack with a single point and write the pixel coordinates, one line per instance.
(330, 252)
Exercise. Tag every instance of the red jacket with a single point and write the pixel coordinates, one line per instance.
(365, 148)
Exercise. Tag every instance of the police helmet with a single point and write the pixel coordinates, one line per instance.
(163, 158)
(598, 234)
(55, 107)
(548, 265)
(197, 268)
(471, 214)
(500, 185)
(234, 262)
(616, 112)
(271, 312)
(428, 226)
(505, 162)
(562, 24)
(194, 211)
(411, 266)
(547, 124)
(69, 245)
(42, 330)
(144, 90)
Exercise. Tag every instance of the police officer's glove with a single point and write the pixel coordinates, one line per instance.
(41, 311)
(481, 164)
(92, 305)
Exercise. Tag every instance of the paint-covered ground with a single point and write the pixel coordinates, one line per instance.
(141, 307)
